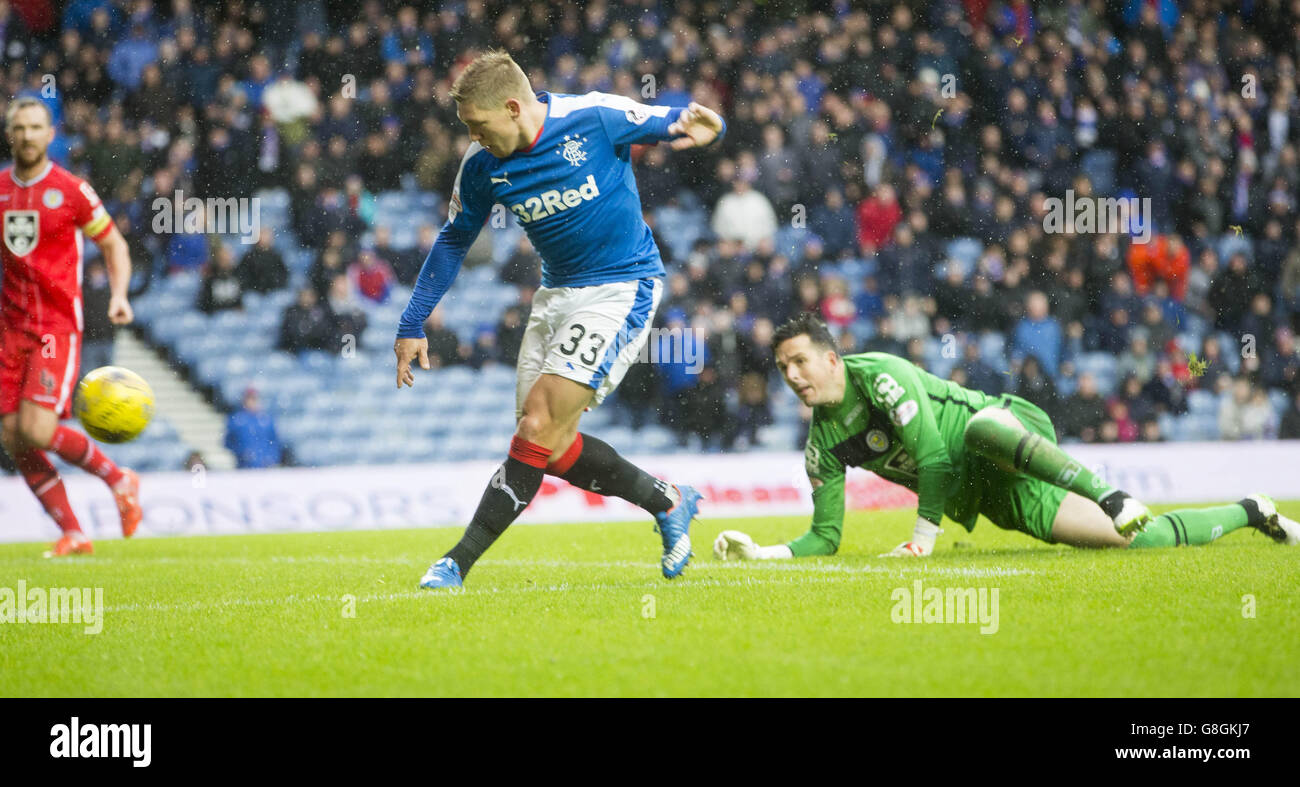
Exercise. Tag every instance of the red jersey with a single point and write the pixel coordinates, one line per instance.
(43, 223)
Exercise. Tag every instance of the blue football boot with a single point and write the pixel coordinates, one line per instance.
(442, 574)
(674, 526)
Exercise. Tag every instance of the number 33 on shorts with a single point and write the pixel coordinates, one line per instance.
(590, 335)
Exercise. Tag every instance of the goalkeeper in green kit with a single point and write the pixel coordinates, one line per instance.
(964, 453)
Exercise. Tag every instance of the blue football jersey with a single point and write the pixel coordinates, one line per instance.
(572, 190)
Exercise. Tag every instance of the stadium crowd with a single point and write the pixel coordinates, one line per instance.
(888, 166)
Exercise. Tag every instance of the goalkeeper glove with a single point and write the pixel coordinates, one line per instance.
(735, 545)
(922, 543)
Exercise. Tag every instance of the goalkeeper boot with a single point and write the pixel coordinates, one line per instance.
(72, 543)
(1133, 517)
(1277, 527)
(442, 574)
(674, 526)
(127, 495)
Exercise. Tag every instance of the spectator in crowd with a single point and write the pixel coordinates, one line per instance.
(484, 351)
(406, 262)
(681, 357)
(325, 269)
(306, 325)
(444, 345)
(97, 333)
(837, 309)
(348, 319)
(251, 434)
(1165, 391)
(707, 411)
(833, 221)
(1230, 294)
(987, 312)
(1131, 393)
(1038, 334)
(911, 322)
(1158, 331)
(904, 267)
(373, 277)
(1163, 258)
(755, 410)
(1120, 426)
(262, 269)
(1290, 424)
(637, 397)
(1246, 413)
(1138, 361)
(1036, 387)
(744, 214)
(780, 171)
(1084, 411)
(1280, 367)
(877, 217)
(510, 334)
(979, 375)
(1258, 328)
(186, 251)
(221, 289)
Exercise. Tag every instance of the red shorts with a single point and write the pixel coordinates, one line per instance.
(39, 368)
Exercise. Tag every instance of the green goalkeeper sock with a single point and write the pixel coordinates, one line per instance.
(1194, 526)
(1040, 458)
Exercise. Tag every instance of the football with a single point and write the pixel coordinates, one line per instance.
(113, 404)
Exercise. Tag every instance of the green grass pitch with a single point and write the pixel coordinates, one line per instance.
(582, 610)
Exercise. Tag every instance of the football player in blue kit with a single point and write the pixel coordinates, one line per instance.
(562, 165)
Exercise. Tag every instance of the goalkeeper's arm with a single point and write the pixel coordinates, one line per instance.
(822, 538)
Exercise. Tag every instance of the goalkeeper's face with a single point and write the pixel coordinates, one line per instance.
(815, 373)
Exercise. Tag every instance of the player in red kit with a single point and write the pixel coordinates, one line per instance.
(45, 210)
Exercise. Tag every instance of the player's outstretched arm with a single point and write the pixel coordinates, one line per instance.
(822, 538)
(117, 259)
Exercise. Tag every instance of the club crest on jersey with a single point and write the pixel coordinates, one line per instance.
(22, 231)
(52, 198)
(572, 150)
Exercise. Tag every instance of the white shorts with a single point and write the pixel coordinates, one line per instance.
(590, 335)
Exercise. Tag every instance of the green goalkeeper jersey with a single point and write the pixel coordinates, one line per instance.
(903, 424)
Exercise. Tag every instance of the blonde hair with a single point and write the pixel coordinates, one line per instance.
(22, 103)
(490, 79)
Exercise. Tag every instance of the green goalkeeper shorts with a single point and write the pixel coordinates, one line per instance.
(1014, 501)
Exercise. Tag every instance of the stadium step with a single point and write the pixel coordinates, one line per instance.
(197, 423)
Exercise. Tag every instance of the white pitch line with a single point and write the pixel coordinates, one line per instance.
(749, 566)
(563, 587)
